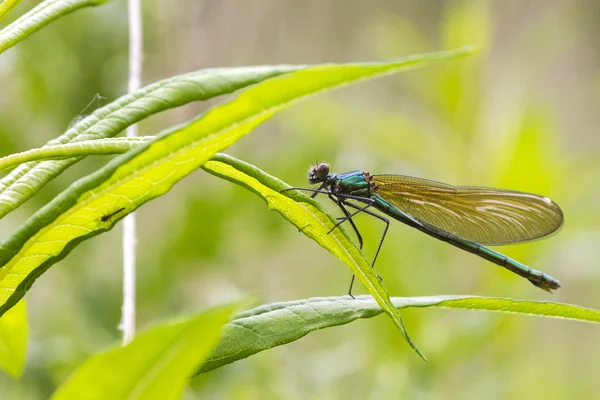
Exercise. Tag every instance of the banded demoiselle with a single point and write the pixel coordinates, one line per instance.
(467, 217)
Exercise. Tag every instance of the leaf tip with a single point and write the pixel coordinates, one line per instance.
(418, 351)
(470, 48)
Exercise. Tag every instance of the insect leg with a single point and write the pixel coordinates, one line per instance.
(321, 188)
(348, 217)
(387, 225)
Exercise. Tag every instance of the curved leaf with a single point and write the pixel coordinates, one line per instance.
(94, 204)
(40, 16)
(83, 148)
(157, 364)
(310, 218)
(276, 324)
(110, 120)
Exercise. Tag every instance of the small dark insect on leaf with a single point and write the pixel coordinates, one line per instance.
(107, 217)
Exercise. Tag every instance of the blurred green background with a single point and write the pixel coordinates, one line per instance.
(521, 114)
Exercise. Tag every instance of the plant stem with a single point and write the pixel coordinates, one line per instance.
(129, 231)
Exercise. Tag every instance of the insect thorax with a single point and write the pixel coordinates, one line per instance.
(356, 183)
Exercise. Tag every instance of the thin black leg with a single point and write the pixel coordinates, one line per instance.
(315, 192)
(323, 186)
(339, 200)
(336, 201)
(387, 225)
(347, 217)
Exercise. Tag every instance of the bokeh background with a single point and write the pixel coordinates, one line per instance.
(521, 114)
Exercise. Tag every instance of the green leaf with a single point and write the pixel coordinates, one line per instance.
(157, 364)
(276, 324)
(311, 219)
(22, 183)
(83, 148)
(40, 16)
(94, 204)
(6, 6)
(13, 339)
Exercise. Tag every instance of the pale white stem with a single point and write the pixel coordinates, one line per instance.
(129, 231)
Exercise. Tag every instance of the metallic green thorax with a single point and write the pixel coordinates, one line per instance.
(355, 183)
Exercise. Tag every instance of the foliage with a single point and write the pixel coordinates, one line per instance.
(155, 365)
(159, 361)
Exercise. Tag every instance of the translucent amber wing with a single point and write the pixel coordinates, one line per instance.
(478, 214)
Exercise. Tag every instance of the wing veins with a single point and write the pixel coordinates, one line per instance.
(479, 214)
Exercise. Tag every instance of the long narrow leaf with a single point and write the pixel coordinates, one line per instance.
(94, 204)
(84, 148)
(40, 16)
(155, 365)
(309, 217)
(110, 120)
(276, 324)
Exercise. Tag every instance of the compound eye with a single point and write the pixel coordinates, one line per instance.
(322, 170)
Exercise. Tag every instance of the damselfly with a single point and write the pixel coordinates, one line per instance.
(467, 217)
